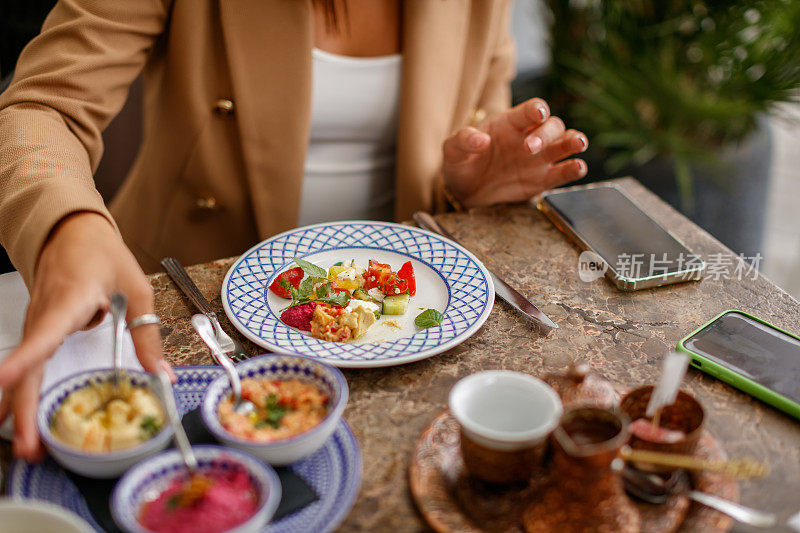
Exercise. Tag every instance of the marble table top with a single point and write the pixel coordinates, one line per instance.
(621, 335)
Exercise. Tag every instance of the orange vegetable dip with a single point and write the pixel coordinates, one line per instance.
(226, 500)
(283, 409)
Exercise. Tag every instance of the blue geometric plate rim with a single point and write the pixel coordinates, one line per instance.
(334, 471)
(468, 282)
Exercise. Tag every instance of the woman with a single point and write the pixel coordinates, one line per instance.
(228, 117)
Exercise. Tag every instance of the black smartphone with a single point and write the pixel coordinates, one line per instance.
(621, 240)
(750, 354)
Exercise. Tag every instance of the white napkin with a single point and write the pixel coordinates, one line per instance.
(83, 350)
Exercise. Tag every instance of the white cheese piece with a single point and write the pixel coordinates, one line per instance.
(350, 274)
(376, 294)
(369, 306)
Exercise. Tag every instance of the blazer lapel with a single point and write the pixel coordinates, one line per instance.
(268, 46)
(434, 41)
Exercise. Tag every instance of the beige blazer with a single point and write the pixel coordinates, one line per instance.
(226, 120)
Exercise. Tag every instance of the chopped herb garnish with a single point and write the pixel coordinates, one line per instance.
(428, 318)
(150, 426)
(275, 412)
(173, 502)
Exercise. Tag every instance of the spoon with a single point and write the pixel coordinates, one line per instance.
(119, 306)
(673, 368)
(654, 489)
(197, 484)
(745, 468)
(205, 329)
(181, 440)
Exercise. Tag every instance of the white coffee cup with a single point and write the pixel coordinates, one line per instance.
(505, 419)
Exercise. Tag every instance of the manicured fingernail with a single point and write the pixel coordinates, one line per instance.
(168, 369)
(534, 144)
(584, 142)
(476, 140)
(581, 168)
(542, 112)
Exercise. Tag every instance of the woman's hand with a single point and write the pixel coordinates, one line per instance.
(512, 157)
(82, 263)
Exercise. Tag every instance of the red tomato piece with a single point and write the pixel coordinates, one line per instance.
(376, 274)
(381, 276)
(406, 272)
(393, 284)
(294, 276)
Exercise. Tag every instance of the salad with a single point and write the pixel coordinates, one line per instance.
(341, 303)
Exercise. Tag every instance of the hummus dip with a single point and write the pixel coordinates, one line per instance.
(98, 418)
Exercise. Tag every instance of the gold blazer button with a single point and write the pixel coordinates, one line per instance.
(223, 106)
(207, 203)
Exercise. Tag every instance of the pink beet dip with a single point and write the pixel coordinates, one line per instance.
(299, 316)
(225, 500)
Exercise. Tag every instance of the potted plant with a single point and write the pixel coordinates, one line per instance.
(675, 93)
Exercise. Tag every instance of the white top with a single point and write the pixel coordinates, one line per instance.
(349, 169)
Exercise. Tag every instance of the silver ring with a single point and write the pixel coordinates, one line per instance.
(143, 320)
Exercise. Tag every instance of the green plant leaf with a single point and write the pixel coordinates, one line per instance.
(428, 318)
(339, 299)
(323, 290)
(311, 269)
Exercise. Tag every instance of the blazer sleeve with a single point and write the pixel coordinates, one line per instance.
(496, 94)
(69, 83)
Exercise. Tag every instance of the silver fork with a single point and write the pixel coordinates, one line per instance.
(230, 346)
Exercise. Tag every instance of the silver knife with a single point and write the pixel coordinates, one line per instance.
(501, 288)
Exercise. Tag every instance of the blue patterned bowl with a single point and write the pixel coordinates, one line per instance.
(148, 479)
(95, 465)
(280, 367)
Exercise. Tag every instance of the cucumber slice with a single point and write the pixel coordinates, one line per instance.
(396, 304)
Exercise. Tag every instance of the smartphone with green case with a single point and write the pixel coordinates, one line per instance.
(750, 354)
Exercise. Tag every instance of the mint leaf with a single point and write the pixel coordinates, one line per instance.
(307, 286)
(311, 269)
(285, 284)
(428, 318)
(323, 290)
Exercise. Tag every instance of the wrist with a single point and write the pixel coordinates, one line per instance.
(77, 227)
(76, 221)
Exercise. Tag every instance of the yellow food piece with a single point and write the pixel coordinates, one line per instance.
(345, 282)
(359, 320)
(98, 418)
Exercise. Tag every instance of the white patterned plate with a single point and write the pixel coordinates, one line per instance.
(334, 471)
(449, 279)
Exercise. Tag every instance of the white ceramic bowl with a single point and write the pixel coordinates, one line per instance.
(281, 367)
(34, 516)
(95, 465)
(148, 479)
(505, 411)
